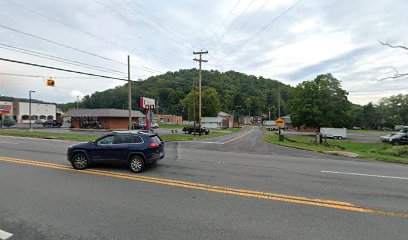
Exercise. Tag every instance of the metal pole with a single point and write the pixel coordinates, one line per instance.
(129, 96)
(29, 110)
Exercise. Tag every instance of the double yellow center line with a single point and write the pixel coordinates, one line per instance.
(212, 188)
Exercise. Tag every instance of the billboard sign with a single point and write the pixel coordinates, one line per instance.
(147, 102)
(6, 107)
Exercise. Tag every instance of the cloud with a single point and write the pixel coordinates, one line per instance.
(76, 94)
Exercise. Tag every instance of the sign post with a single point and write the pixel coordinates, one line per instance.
(280, 123)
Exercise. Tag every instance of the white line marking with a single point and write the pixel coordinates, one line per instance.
(4, 235)
(366, 175)
(198, 142)
(8, 142)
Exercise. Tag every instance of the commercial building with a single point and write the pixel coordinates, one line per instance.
(114, 119)
(39, 111)
(161, 118)
(227, 119)
(211, 122)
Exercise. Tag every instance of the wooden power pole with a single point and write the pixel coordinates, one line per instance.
(200, 60)
(129, 96)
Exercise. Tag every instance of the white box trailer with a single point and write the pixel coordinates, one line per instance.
(336, 133)
(270, 125)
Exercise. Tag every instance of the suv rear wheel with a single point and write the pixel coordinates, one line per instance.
(136, 164)
(79, 161)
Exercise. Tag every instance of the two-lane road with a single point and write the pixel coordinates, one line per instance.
(239, 189)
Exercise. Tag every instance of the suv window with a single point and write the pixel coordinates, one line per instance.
(121, 139)
(155, 139)
(106, 140)
(136, 139)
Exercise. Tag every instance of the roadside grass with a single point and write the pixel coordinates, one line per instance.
(370, 132)
(48, 135)
(191, 137)
(171, 126)
(89, 137)
(379, 151)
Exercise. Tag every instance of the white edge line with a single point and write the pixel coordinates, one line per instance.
(366, 175)
(8, 142)
(4, 235)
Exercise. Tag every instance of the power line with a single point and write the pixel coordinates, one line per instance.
(247, 21)
(163, 24)
(69, 47)
(225, 19)
(58, 59)
(42, 76)
(235, 20)
(80, 30)
(157, 31)
(263, 29)
(61, 69)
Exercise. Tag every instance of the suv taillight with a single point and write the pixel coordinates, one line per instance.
(154, 145)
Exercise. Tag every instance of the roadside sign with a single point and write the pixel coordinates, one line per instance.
(279, 122)
(147, 102)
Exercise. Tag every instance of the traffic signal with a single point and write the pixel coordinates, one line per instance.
(50, 82)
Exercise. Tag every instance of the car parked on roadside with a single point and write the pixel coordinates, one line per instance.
(399, 138)
(52, 123)
(190, 130)
(136, 149)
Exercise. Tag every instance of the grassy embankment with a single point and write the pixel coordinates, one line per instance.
(379, 151)
(89, 137)
(171, 126)
(377, 132)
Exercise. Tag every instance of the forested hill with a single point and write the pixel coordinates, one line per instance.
(236, 91)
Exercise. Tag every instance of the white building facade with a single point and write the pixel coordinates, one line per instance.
(211, 122)
(39, 111)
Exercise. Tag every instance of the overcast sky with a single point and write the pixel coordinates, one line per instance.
(287, 40)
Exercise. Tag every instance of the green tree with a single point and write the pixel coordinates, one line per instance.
(8, 122)
(319, 103)
(211, 105)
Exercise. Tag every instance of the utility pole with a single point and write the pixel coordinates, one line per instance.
(279, 110)
(77, 101)
(200, 60)
(194, 109)
(129, 96)
(29, 109)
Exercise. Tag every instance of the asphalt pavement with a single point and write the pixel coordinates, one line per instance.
(231, 187)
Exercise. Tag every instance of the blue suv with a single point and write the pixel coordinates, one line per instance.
(134, 148)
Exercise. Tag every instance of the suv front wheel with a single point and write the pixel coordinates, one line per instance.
(79, 161)
(136, 164)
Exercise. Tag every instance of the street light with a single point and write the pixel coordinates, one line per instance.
(29, 108)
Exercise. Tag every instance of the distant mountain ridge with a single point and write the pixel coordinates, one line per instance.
(237, 92)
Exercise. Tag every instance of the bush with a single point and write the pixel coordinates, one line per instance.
(8, 122)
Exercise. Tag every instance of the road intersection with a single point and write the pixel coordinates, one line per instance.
(239, 189)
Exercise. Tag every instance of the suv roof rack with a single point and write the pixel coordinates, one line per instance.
(133, 131)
